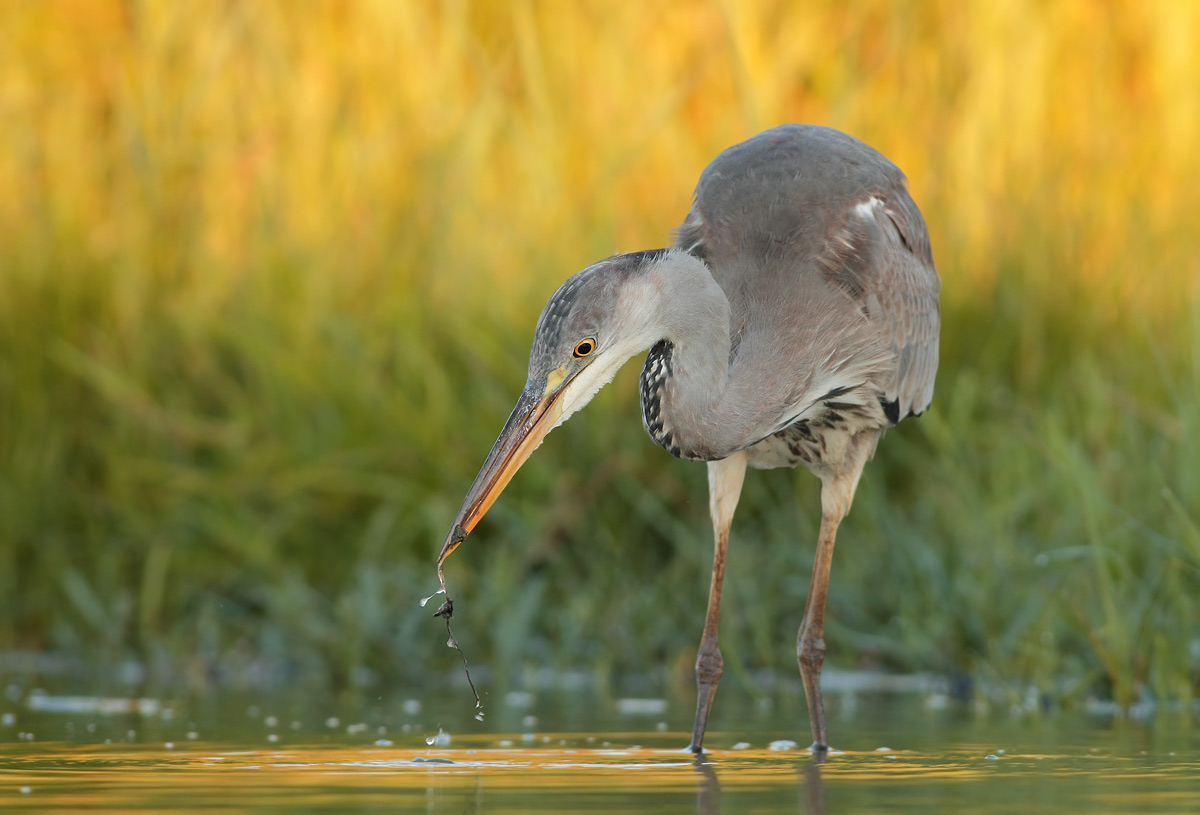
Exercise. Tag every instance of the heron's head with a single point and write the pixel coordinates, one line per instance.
(591, 326)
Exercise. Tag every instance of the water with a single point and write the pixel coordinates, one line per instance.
(581, 752)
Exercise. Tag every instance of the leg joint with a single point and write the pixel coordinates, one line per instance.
(709, 665)
(811, 652)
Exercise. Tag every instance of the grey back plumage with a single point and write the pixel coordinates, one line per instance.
(827, 265)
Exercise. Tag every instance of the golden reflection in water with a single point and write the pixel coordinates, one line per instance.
(115, 778)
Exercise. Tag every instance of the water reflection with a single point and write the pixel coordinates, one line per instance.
(708, 788)
(811, 787)
(814, 789)
(111, 758)
(476, 777)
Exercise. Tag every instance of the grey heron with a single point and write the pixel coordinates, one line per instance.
(794, 320)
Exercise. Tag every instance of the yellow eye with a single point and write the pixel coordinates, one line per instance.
(584, 347)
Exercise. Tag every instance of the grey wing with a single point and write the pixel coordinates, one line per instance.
(807, 209)
(901, 296)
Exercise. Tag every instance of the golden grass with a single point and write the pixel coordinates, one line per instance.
(501, 134)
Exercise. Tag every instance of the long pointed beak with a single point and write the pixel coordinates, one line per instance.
(536, 414)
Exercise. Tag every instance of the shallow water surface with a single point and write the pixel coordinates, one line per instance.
(102, 756)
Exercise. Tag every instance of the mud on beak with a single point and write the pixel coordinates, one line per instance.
(538, 411)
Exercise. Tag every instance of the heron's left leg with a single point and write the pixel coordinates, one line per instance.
(724, 488)
(837, 492)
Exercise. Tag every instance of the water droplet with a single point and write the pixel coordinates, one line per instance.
(451, 643)
(430, 740)
(430, 597)
(479, 717)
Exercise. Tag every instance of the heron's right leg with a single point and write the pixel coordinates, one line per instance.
(724, 488)
(837, 492)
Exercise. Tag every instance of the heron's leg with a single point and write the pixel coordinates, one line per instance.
(837, 492)
(724, 487)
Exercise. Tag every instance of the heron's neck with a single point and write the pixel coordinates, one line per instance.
(687, 371)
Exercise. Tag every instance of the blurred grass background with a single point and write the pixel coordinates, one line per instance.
(269, 270)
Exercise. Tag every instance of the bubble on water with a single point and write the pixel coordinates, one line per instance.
(991, 757)
(883, 749)
(425, 602)
(782, 744)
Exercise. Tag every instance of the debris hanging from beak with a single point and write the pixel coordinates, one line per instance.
(446, 611)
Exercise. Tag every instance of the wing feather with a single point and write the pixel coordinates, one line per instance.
(827, 264)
